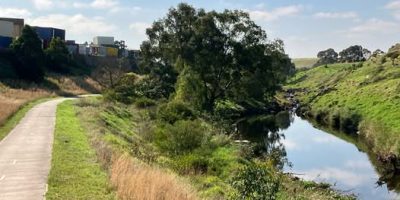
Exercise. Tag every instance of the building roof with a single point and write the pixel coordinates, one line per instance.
(13, 20)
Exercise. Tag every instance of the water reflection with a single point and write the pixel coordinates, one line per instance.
(322, 156)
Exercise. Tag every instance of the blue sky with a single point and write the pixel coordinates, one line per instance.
(306, 26)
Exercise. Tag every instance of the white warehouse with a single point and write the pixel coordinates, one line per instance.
(103, 40)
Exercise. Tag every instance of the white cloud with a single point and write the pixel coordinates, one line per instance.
(139, 29)
(336, 15)
(394, 5)
(131, 10)
(264, 15)
(104, 4)
(345, 177)
(290, 145)
(14, 12)
(373, 26)
(77, 26)
(43, 4)
(99, 4)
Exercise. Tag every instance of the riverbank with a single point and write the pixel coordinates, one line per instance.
(356, 98)
(128, 134)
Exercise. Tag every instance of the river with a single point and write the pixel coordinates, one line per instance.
(322, 156)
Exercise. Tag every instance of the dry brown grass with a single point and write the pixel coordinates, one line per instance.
(136, 181)
(12, 99)
(131, 178)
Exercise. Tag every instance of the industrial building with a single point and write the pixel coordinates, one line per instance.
(46, 34)
(103, 46)
(72, 47)
(10, 28)
(103, 40)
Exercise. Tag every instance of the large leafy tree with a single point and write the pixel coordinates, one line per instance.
(218, 56)
(29, 55)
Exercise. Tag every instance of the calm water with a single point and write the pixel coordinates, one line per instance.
(319, 156)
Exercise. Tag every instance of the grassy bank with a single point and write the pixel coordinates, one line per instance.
(304, 63)
(75, 174)
(351, 97)
(130, 143)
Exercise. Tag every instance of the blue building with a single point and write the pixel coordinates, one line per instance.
(46, 34)
(5, 42)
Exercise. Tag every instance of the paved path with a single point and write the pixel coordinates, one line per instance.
(25, 154)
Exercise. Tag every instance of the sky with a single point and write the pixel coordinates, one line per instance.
(305, 26)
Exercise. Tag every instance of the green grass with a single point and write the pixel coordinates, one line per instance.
(127, 129)
(75, 174)
(16, 117)
(304, 62)
(370, 89)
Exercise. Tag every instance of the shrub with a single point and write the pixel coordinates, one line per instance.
(124, 91)
(174, 111)
(256, 181)
(191, 164)
(182, 137)
(228, 109)
(144, 102)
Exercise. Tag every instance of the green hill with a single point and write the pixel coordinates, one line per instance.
(304, 62)
(345, 96)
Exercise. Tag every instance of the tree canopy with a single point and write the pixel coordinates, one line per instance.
(209, 56)
(57, 56)
(328, 56)
(29, 55)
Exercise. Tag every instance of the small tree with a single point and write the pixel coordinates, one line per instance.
(57, 56)
(352, 54)
(377, 53)
(29, 55)
(121, 47)
(328, 56)
(109, 71)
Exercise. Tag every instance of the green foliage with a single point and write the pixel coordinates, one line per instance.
(363, 98)
(225, 55)
(181, 137)
(256, 181)
(174, 111)
(57, 56)
(228, 109)
(328, 56)
(29, 55)
(124, 90)
(144, 102)
(73, 162)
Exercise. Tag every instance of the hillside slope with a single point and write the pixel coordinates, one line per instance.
(301, 63)
(360, 96)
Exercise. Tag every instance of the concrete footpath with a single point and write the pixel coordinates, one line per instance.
(25, 154)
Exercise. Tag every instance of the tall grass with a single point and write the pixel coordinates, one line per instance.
(134, 180)
(15, 93)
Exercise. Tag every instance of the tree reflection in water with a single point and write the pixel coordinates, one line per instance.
(264, 133)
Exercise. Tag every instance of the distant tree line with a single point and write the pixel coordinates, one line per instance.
(355, 53)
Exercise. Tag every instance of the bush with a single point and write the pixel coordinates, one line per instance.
(256, 181)
(228, 109)
(174, 111)
(144, 102)
(124, 91)
(182, 137)
(191, 164)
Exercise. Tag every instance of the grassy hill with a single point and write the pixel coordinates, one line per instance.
(366, 95)
(301, 63)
